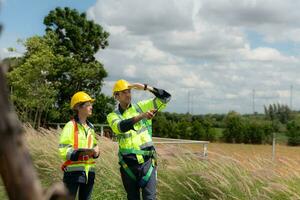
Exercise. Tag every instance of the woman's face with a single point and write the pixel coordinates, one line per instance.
(86, 109)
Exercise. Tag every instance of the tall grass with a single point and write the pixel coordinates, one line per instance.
(181, 173)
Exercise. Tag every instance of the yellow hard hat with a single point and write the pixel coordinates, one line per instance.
(121, 85)
(80, 97)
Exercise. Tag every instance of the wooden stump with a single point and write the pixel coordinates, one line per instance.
(16, 166)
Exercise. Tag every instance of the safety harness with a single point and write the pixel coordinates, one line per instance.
(151, 153)
(81, 159)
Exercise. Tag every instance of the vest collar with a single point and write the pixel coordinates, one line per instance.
(121, 110)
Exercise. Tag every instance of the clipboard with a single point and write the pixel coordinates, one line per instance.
(85, 151)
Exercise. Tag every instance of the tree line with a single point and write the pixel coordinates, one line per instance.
(232, 127)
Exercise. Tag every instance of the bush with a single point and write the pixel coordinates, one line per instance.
(293, 133)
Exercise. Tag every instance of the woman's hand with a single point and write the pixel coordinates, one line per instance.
(96, 152)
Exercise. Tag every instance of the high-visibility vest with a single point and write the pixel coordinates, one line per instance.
(73, 137)
(133, 141)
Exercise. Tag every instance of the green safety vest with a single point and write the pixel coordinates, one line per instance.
(133, 141)
(72, 137)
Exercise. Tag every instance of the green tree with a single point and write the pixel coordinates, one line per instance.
(234, 128)
(78, 37)
(77, 40)
(160, 126)
(293, 133)
(61, 63)
(198, 131)
(257, 132)
(184, 130)
(32, 93)
(278, 112)
(210, 133)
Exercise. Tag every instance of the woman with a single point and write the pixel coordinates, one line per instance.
(78, 148)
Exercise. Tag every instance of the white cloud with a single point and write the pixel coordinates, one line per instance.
(267, 17)
(130, 71)
(144, 17)
(5, 53)
(266, 54)
(203, 48)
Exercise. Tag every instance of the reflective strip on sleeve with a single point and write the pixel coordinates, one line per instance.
(154, 103)
(142, 130)
(113, 121)
(124, 135)
(119, 128)
(147, 144)
(69, 153)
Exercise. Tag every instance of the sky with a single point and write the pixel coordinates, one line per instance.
(213, 56)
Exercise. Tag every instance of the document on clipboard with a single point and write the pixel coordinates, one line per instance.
(85, 151)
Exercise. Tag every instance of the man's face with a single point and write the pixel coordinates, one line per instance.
(124, 97)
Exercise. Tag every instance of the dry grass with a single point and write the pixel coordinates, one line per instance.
(231, 172)
(251, 157)
(235, 171)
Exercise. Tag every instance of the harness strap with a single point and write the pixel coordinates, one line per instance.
(144, 180)
(126, 168)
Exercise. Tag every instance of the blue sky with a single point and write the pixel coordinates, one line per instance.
(210, 54)
(22, 19)
(287, 47)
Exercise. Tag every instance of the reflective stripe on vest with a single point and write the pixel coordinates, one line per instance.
(75, 134)
(137, 152)
(66, 167)
(148, 126)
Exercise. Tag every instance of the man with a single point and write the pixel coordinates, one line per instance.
(132, 124)
(78, 148)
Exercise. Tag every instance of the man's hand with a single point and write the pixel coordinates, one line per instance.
(150, 114)
(137, 86)
(140, 86)
(146, 115)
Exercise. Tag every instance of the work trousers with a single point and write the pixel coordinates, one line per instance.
(76, 181)
(132, 187)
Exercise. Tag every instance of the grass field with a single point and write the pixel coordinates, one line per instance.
(232, 171)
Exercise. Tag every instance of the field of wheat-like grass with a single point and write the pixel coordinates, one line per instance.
(232, 171)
